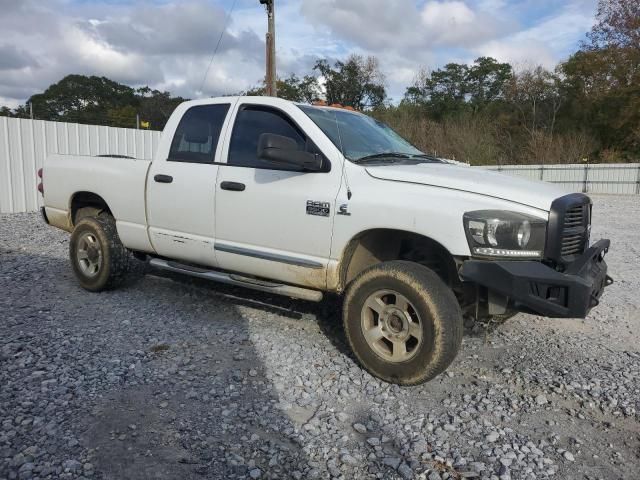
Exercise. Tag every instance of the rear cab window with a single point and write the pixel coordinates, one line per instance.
(196, 138)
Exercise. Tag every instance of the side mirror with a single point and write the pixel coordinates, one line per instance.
(284, 152)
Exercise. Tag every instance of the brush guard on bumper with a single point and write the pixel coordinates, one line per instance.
(534, 287)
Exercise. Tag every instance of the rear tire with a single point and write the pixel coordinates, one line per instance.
(98, 258)
(402, 322)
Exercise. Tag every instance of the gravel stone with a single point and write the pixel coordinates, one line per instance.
(541, 399)
(406, 471)
(349, 460)
(358, 427)
(373, 441)
(393, 462)
(223, 382)
(255, 473)
(342, 417)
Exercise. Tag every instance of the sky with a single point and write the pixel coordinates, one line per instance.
(168, 44)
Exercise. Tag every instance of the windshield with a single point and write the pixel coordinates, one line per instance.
(360, 137)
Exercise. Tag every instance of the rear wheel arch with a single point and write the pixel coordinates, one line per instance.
(374, 246)
(86, 204)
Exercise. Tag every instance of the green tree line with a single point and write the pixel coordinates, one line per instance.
(585, 109)
(98, 101)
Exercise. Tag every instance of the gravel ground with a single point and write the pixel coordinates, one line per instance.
(171, 378)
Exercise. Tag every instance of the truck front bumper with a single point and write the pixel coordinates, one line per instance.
(536, 288)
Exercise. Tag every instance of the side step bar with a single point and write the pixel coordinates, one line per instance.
(238, 280)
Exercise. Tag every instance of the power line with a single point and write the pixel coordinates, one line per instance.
(224, 28)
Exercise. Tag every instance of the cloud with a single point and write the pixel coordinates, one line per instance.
(161, 45)
(167, 44)
(180, 28)
(371, 24)
(12, 58)
(550, 40)
(454, 23)
(407, 35)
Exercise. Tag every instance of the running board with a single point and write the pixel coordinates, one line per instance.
(238, 280)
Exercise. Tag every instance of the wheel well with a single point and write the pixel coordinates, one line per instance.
(383, 245)
(87, 204)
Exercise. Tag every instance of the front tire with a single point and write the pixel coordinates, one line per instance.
(402, 322)
(98, 258)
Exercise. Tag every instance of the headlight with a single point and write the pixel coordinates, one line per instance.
(499, 233)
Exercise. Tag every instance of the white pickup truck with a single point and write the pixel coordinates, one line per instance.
(300, 200)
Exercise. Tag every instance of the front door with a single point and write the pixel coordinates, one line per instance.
(181, 188)
(273, 223)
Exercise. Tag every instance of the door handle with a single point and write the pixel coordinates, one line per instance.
(163, 178)
(233, 186)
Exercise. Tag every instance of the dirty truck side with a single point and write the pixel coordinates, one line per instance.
(301, 200)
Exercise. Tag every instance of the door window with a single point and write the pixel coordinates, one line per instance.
(196, 137)
(253, 121)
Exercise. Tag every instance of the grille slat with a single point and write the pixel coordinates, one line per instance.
(569, 246)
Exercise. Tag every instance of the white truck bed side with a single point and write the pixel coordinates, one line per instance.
(121, 182)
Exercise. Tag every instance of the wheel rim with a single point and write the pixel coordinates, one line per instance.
(391, 326)
(89, 254)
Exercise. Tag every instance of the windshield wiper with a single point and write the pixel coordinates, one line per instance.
(394, 156)
(427, 157)
(375, 156)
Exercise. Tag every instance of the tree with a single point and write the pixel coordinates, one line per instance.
(602, 79)
(535, 95)
(77, 98)
(98, 101)
(444, 91)
(124, 117)
(356, 82)
(156, 107)
(457, 88)
(486, 81)
(292, 88)
(617, 26)
(21, 111)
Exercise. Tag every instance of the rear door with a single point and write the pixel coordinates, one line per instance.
(274, 223)
(181, 187)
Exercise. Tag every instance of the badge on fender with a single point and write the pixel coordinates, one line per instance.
(344, 210)
(320, 209)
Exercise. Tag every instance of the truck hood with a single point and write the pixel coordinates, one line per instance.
(474, 180)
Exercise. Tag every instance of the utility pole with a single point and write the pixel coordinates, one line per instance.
(31, 110)
(271, 77)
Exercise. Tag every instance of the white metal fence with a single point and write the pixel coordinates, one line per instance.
(25, 143)
(612, 178)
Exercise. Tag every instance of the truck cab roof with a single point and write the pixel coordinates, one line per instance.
(271, 101)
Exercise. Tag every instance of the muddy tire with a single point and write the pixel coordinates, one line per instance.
(403, 323)
(98, 258)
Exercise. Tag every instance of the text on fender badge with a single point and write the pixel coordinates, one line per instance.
(320, 209)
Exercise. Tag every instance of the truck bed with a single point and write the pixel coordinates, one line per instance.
(119, 181)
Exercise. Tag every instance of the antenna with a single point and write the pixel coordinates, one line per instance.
(224, 28)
